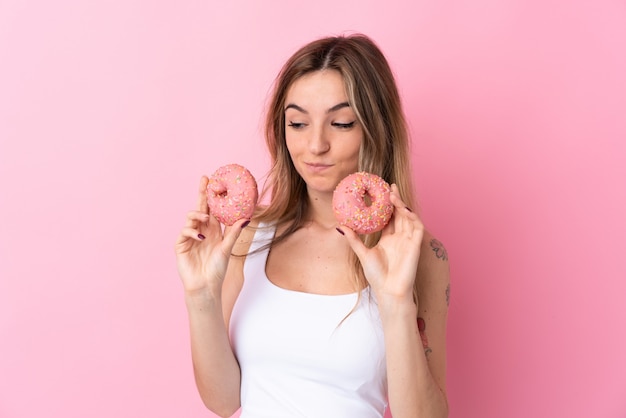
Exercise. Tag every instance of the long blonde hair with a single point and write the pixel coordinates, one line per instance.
(372, 94)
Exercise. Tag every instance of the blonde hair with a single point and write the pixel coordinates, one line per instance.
(374, 97)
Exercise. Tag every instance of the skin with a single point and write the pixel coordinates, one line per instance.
(322, 133)
(323, 138)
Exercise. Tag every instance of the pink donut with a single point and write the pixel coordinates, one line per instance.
(232, 194)
(351, 206)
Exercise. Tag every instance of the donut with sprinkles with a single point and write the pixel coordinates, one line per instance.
(361, 202)
(232, 194)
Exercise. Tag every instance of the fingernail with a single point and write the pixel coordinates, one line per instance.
(201, 236)
(340, 231)
(408, 208)
(243, 225)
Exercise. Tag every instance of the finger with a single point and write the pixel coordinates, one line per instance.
(190, 233)
(353, 240)
(401, 210)
(202, 199)
(396, 200)
(231, 235)
(194, 218)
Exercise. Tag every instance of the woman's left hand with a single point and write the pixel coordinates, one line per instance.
(390, 266)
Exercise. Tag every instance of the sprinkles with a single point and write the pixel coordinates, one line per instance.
(232, 194)
(361, 202)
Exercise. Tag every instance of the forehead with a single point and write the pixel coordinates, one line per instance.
(319, 88)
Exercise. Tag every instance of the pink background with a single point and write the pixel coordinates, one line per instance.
(110, 112)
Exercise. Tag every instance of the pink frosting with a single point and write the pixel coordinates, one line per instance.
(351, 208)
(232, 194)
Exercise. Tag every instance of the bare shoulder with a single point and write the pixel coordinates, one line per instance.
(433, 272)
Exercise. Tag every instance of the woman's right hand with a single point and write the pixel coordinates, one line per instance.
(202, 249)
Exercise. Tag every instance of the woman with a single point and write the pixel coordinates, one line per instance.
(296, 316)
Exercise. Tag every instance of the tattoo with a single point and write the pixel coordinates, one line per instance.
(421, 326)
(448, 295)
(439, 249)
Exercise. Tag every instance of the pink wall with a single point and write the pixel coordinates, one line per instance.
(110, 111)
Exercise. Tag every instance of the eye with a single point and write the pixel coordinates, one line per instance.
(343, 125)
(296, 125)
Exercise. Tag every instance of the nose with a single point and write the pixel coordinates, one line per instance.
(318, 143)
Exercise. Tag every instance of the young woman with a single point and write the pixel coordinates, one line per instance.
(296, 316)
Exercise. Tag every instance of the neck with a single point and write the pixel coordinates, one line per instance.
(320, 210)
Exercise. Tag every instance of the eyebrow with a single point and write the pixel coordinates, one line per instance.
(332, 109)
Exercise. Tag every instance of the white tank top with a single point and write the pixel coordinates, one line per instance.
(297, 357)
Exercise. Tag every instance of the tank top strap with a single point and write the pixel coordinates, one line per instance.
(257, 255)
(262, 236)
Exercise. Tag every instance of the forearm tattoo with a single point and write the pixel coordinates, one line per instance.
(439, 249)
(442, 254)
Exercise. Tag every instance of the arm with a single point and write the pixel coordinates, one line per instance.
(203, 261)
(415, 341)
(401, 262)
(215, 368)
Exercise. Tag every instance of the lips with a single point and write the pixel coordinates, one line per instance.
(318, 165)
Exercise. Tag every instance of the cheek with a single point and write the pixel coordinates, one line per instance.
(353, 147)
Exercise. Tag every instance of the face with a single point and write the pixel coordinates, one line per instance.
(322, 132)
